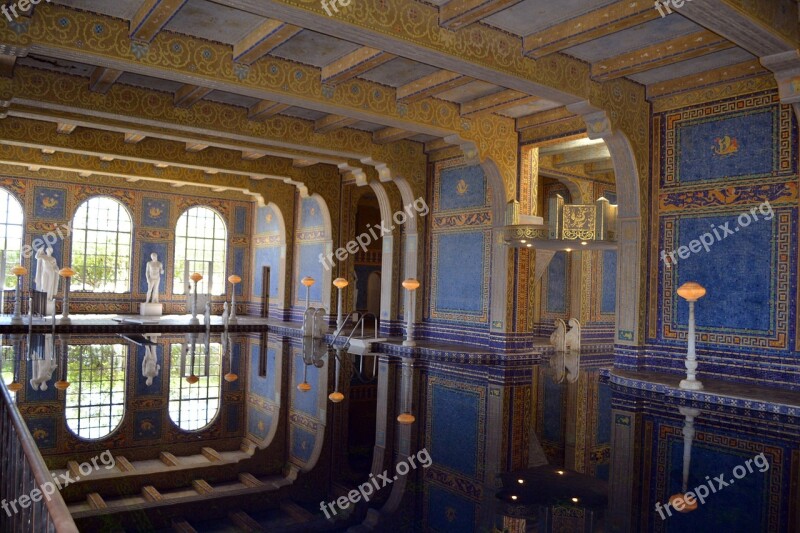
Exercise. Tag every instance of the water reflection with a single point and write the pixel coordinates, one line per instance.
(195, 382)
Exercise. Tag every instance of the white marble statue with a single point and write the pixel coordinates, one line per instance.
(46, 273)
(150, 366)
(42, 369)
(572, 340)
(153, 272)
(558, 337)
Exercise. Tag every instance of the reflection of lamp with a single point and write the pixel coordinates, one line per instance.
(410, 285)
(684, 504)
(230, 377)
(691, 292)
(337, 396)
(308, 281)
(234, 279)
(406, 418)
(196, 277)
(305, 386)
(339, 283)
(18, 271)
(63, 384)
(67, 274)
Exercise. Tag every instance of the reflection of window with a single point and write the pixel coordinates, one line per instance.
(96, 398)
(7, 364)
(101, 246)
(194, 406)
(10, 234)
(200, 238)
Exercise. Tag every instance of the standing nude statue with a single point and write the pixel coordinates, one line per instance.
(153, 273)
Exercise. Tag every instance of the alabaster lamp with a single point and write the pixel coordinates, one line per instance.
(691, 292)
(308, 281)
(411, 285)
(196, 278)
(67, 274)
(18, 271)
(340, 284)
(234, 279)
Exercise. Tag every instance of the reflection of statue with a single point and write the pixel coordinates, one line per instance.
(153, 273)
(150, 366)
(572, 340)
(558, 337)
(42, 369)
(46, 272)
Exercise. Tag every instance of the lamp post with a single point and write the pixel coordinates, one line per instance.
(406, 418)
(196, 277)
(234, 279)
(337, 396)
(18, 271)
(67, 274)
(340, 283)
(308, 281)
(410, 285)
(691, 292)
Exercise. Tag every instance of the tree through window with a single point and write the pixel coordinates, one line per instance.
(201, 239)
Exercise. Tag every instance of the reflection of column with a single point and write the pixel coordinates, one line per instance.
(623, 475)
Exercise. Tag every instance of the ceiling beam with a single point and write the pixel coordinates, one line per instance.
(330, 123)
(265, 109)
(65, 128)
(188, 95)
(354, 64)
(134, 138)
(102, 79)
(613, 18)
(269, 35)
(605, 166)
(7, 64)
(495, 102)
(589, 154)
(707, 78)
(389, 135)
(551, 116)
(195, 147)
(658, 55)
(456, 14)
(303, 163)
(430, 85)
(567, 146)
(151, 18)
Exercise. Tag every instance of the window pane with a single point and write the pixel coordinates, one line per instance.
(201, 239)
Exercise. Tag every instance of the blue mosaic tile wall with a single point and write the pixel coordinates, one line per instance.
(268, 241)
(727, 174)
(310, 238)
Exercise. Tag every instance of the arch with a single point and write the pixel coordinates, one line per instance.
(270, 249)
(195, 406)
(193, 244)
(102, 228)
(387, 310)
(95, 402)
(499, 282)
(12, 233)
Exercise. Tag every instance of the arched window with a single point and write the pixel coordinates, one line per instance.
(11, 216)
(201, 240)
(192, 406)
(96, 399)
(101, 246)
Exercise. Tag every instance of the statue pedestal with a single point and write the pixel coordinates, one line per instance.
(151, 309)
(51, 308)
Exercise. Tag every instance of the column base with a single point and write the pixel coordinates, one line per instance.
(690, 384)
(409, 343)
(151, 309)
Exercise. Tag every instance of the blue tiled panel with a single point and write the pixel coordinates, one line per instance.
(310, 214)
(462, 188)
(262, 386)
(737, 273)
(309, 265)
(236, 365)
(155, 213)
(147, 425)
(460, 269)
(303, 442)
(449, 512)
(267, 220)
(258, 422)
(238, 266)
(604, 414)
(553, 430)
(557, 284)
(268, 256)
(454, 427)
(755, 156)
(146, 248)
(49, 203)
(240, 220)
(608, 302)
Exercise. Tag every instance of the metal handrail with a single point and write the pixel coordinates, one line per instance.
(340, 328)
(24, 471)
(360, 321)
